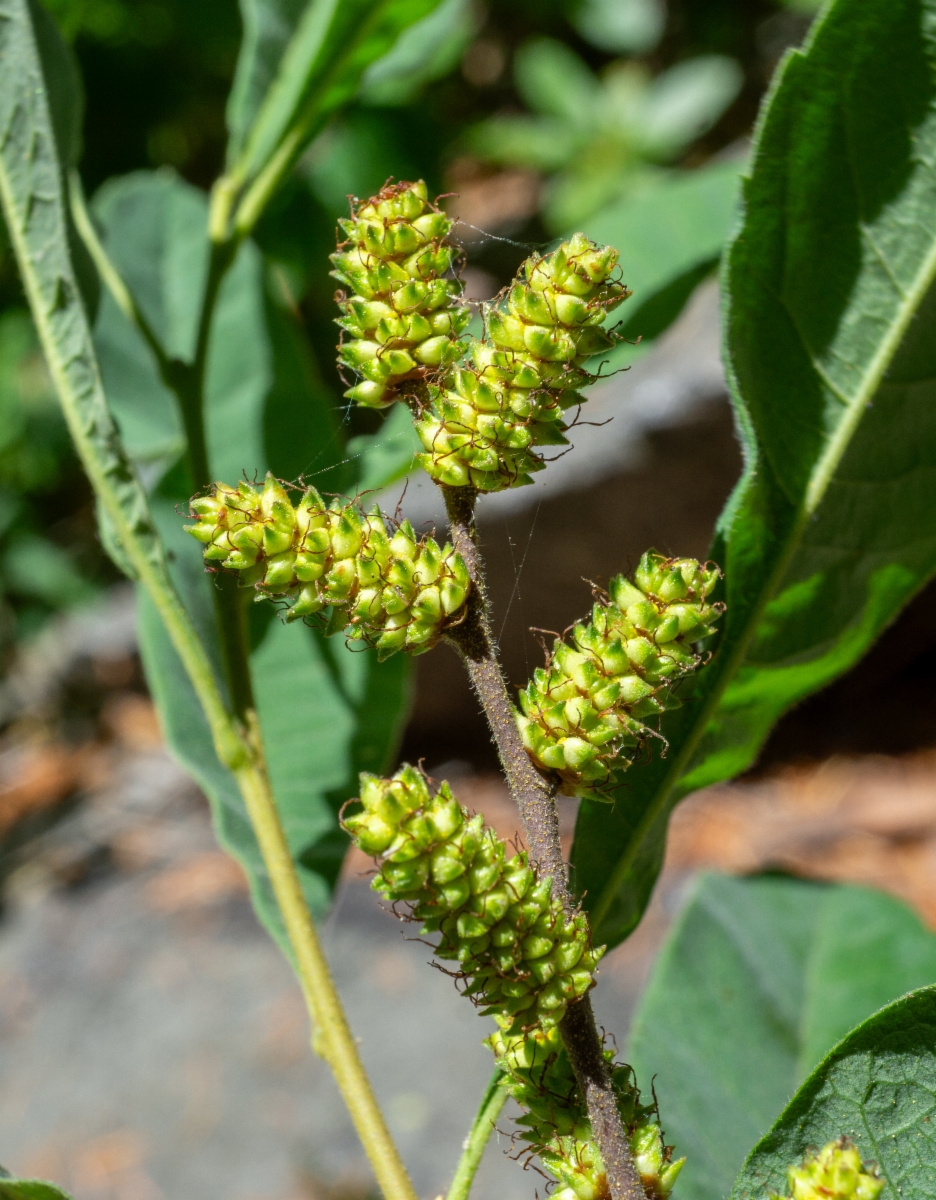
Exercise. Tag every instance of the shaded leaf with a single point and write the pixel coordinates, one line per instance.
(35, 212)
(833, 376)
(268, 27)
(670, 236)
(757, 980)
(319, 69)
(878, 1087)
(423, 52)
(326, 712)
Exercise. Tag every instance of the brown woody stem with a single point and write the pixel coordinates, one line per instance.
(534, 798)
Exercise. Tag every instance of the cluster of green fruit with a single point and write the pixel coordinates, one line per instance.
(479, 429)
(539, 1076)
(584, 715)
(402, 316)
(479, 422)
(522, 959)
(835, 1172)
(388, 588)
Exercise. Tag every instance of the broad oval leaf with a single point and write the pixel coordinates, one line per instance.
(326, 712)
(877, 1087)
(757, 981)
(832, 366)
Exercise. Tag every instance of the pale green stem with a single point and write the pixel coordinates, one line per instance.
(66, 341)
(258, 195)
(333, 1038)
(109, 274)
(242, 751)
(481, 1130)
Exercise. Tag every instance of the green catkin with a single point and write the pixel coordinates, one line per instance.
(482, 428)
(523, 962)
(402, 319)
(389, 589)
(555, 1124)
(523, 959)
(584, 716)
(836, 1172)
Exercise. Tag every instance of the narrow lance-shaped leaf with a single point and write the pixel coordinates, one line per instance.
(32, 194)
(832, 366)
(330, 47)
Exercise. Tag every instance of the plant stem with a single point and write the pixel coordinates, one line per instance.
(483, 1125)
(333, 1040)
(333, 1037)
(475, 641)
(29, 167)
(110, 276)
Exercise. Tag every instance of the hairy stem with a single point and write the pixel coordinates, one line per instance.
(475, 642)
(533, 796)
(482, 1127)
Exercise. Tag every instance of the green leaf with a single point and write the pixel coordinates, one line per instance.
(670, 236)
(28, 1189)
(326, 712)
(268, 26)
(832, 369)
(684, 102)
(381, 458)
(634, 26)
(878, 1087)
(553, 80)
(758, 979)
(425, 51)
(330, 46)
(32, 193)
(35, 213)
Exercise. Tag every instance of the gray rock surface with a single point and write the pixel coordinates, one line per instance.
(153, 1042)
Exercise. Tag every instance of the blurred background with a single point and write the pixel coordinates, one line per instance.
(151, 1040)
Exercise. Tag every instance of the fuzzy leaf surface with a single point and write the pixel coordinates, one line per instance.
(878, 1086)
(326, 712)
(758, 979)
(832, 367)
(37, 141)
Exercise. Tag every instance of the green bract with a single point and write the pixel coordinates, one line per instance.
(480, 430)
(555, 1122)
(584, 715)
(524, 961)
(836, 1172)
(402, 318)
(387, 588)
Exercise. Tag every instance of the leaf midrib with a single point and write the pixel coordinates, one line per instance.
(819, 480)
(821, 475)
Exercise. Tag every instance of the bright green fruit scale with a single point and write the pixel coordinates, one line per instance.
(385, 587)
